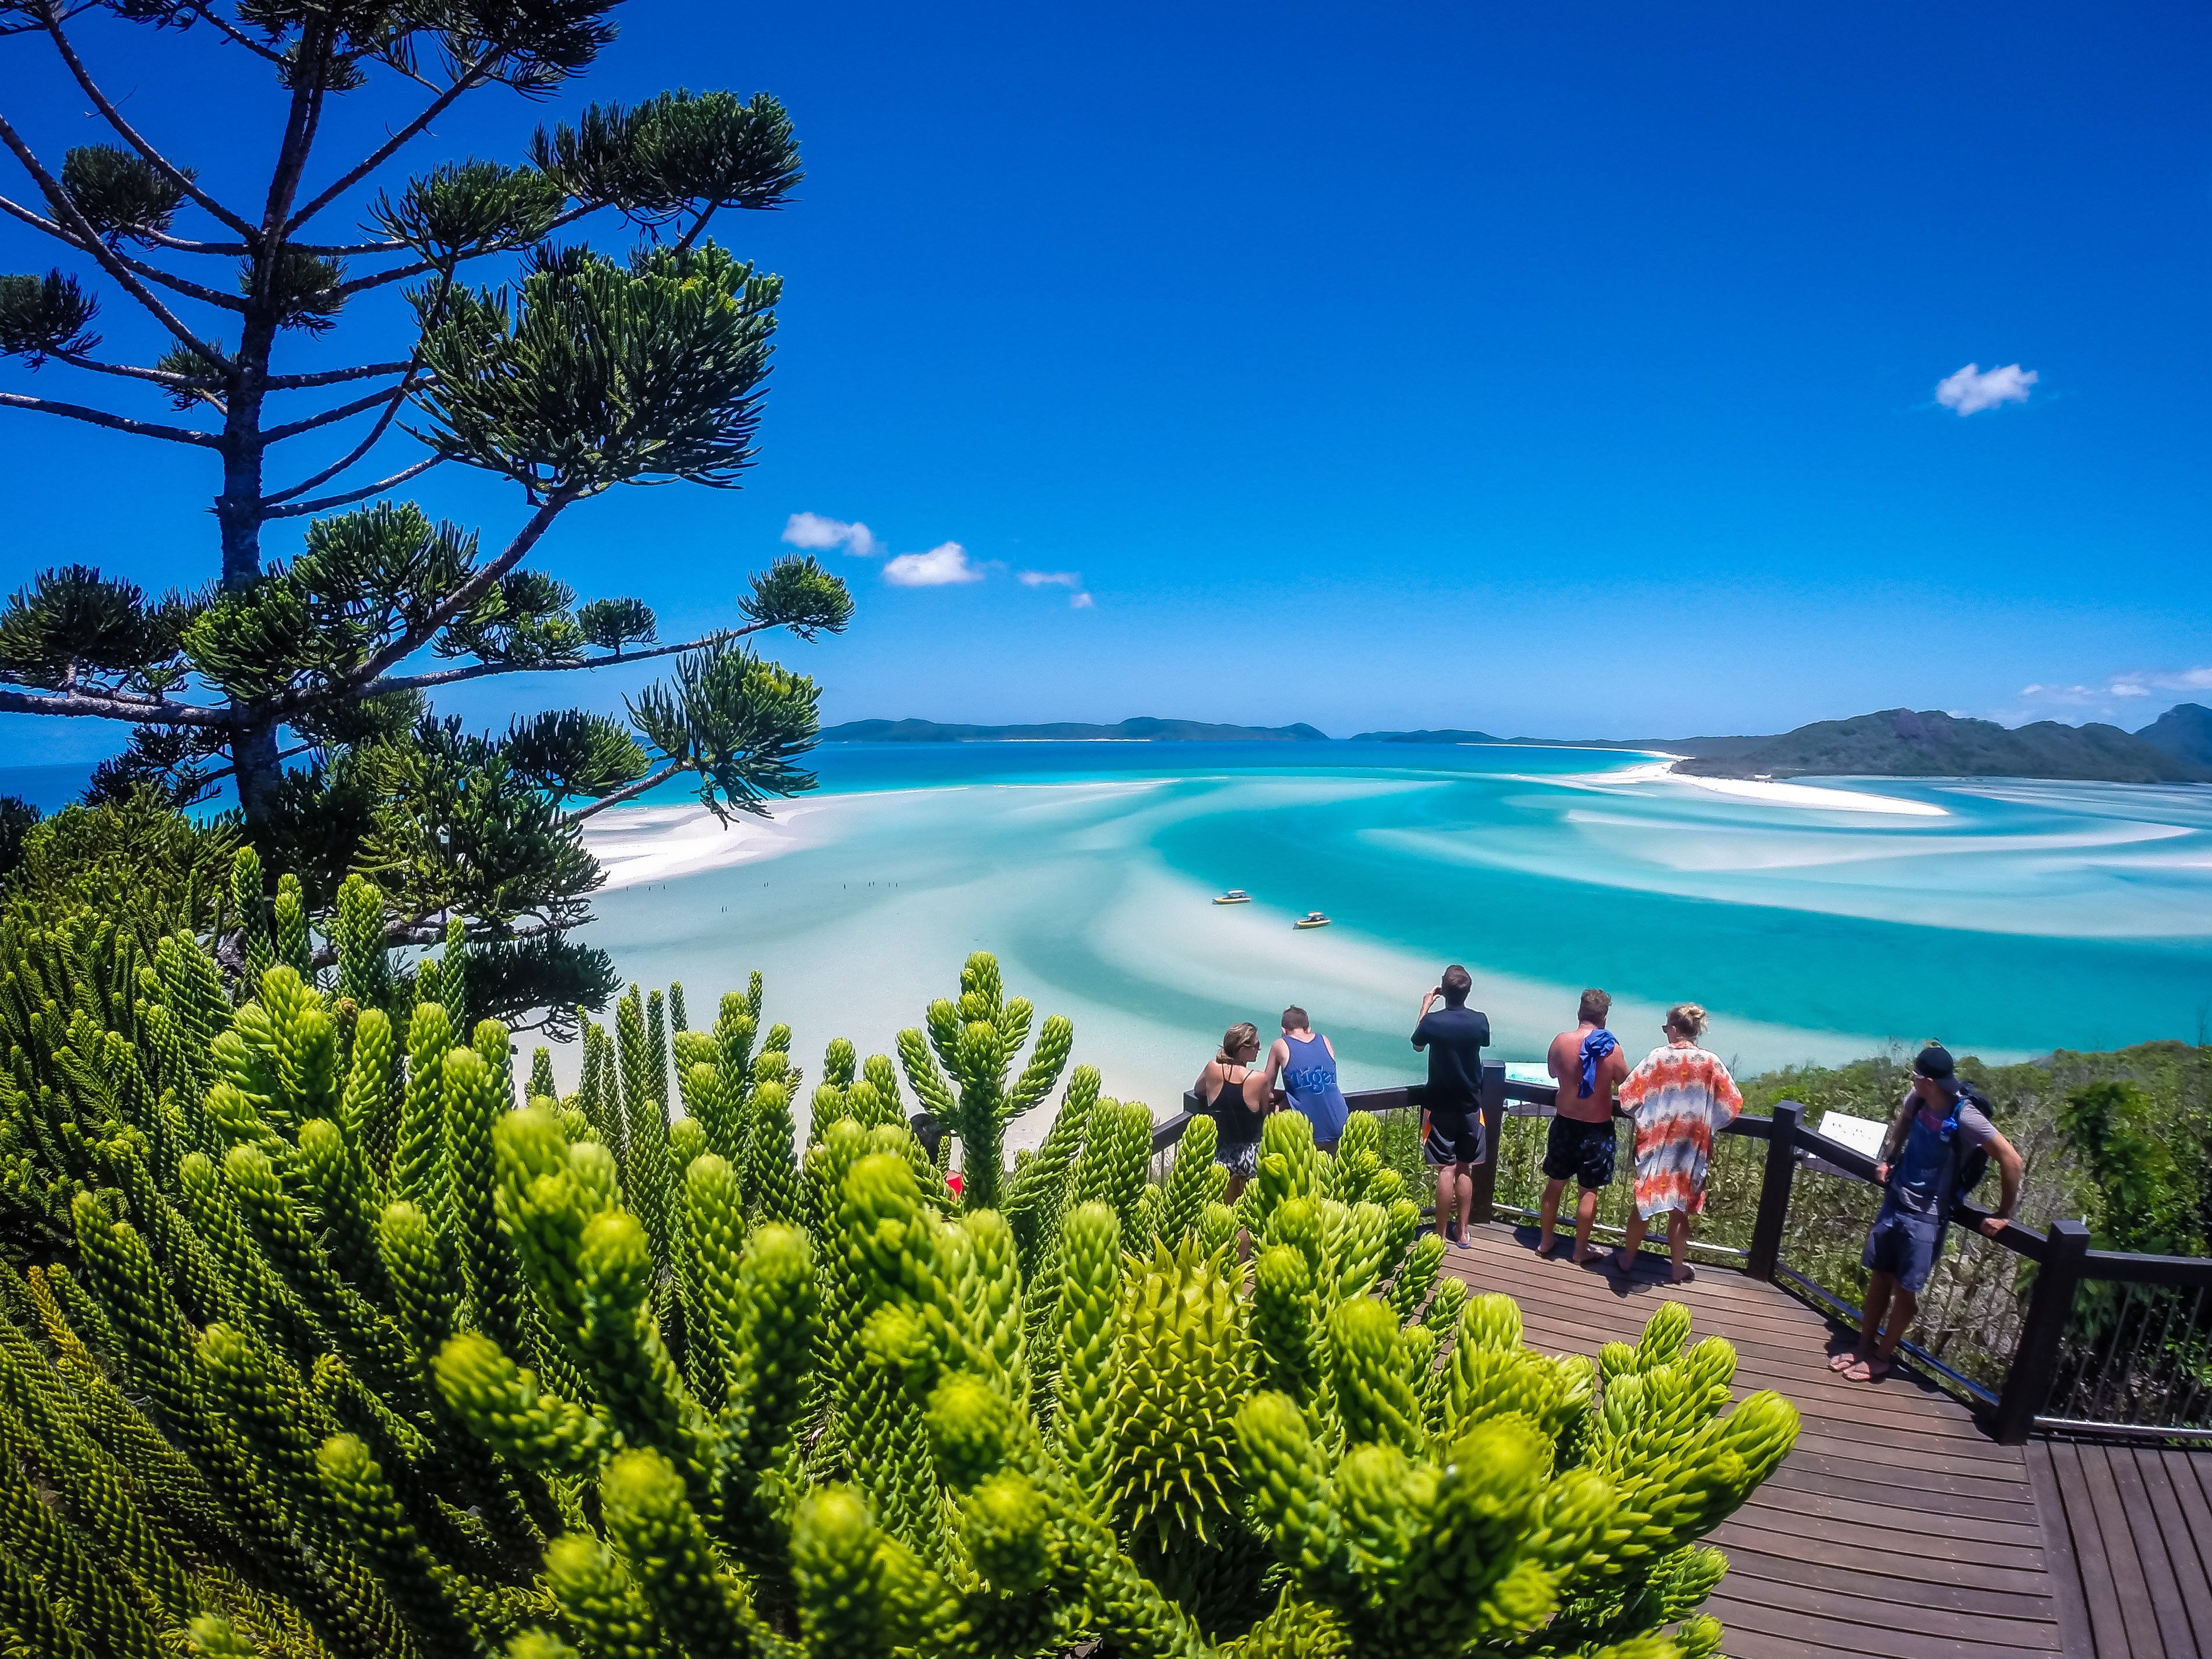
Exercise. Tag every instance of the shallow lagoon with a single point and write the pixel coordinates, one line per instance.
(2005, 918)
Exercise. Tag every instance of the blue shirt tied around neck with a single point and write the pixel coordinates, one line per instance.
(1595, 1047)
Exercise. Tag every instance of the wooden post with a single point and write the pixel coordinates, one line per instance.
(1774, 1192)
(2049, 1309)
(1494, 1125)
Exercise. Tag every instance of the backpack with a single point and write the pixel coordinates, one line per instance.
(1969, 1165)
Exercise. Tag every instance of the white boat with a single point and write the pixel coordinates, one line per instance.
(1311, 919)
(1234, 895)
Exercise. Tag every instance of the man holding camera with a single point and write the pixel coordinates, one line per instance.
(1451, 1120)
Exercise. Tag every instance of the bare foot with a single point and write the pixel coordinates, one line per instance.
(1625, 1262)
(1584, 1257)
(1844, 1361)
(1868, 1371)
(1543, 1248)
(1685, 1275)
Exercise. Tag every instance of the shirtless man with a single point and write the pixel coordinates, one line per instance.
(1589, 1065)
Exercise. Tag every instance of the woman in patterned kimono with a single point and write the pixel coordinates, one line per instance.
(1681, 1098)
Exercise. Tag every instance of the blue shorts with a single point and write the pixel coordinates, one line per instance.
(1904, 1244)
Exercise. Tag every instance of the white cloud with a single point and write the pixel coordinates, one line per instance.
(1971, 390)
(1079, 602)
(818, 533)
(2135, 683)
(1051, 579)
(942, 566)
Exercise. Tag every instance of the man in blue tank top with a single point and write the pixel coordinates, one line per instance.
(1306, 1066)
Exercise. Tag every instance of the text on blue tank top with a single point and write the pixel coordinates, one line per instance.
(1309, 1081)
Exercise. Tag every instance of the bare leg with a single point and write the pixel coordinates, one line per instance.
(1447, 1200)
(1585, 1214)
(1547, 1216)
(1903, 1306)
(1465, 1183)
(1678, 1244)
(1633, 1243)
(1876, 1307)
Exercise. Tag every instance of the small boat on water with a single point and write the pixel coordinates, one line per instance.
(1235, 896)
(1311, 919)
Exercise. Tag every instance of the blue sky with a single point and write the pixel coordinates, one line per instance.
(1567, 370)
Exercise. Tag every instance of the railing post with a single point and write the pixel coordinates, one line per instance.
(1774, 1192)
(1494, 1125)
(2050, 1310)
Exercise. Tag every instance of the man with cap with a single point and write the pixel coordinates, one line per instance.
(1938, 1124)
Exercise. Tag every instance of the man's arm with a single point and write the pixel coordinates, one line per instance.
(2010, 1166)
(1893, 1142)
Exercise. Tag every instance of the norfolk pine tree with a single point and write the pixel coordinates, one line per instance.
(300, 672)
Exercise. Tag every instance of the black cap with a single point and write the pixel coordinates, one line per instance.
(1933, 1061)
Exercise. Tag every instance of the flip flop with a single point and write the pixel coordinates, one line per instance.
(1844, 1361)
(1868, 1371)
(1689, 1276)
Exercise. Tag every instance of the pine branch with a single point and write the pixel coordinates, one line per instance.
(161, 377)
(697, 225)
(83, 236)
(627, 791)
(175, 435)
(399, 395)
(420, 267)
(356, 685)
(300, 509)
(328, 416)
(308, 63)
(95, 246)
(478, 671)
(161, 163)
(224, 26)
(473, 77)
(333, 376)
(113, 706)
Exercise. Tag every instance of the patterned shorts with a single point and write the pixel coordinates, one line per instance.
(1240, 1157)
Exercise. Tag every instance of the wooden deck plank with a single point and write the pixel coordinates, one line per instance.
(2058, 1552)
(2188, 1538)
(2108, 1629)
(1883, 1580)
(2150, 1551)
(1846, 1636)
(2130, 1584)
(1884, 1622)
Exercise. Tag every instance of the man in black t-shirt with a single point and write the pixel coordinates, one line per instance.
(1451, 1123)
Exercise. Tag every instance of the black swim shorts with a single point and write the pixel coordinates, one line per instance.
(1576, 1151)
(1453, 1138)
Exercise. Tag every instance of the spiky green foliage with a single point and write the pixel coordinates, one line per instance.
(976, 1095)
(286, 1400)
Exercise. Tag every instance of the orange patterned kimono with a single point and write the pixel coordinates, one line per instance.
(1680, 1096)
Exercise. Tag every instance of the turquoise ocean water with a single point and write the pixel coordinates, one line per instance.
(2004, 918)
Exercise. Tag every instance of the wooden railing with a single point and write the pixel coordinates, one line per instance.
(2064, 1263)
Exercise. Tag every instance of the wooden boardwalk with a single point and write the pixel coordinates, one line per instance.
(1895, 1527)
(2130, 1530)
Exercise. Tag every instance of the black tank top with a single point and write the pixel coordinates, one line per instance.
(1238, 1124)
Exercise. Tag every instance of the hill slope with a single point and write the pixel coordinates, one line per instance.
(1143, 729)
(2185, 731)
(1905, 744)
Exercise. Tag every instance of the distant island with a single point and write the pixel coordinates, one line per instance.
(1904, 742)
(1143, 729)
(1896, 743)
